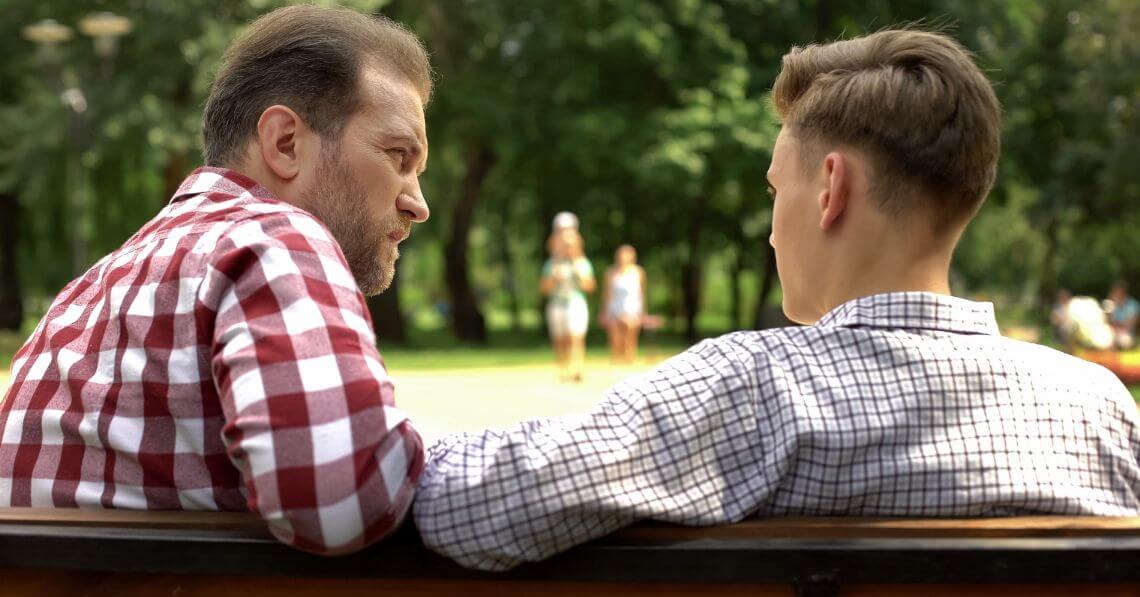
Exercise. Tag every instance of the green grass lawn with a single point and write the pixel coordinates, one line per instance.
(9, 343)
(435, 350)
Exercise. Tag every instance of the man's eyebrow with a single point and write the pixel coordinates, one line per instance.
(406, 138)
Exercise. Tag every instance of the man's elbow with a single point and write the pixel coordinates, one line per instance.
(479, 545)
(333, 531)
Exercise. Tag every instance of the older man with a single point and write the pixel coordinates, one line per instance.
(897, 400)
(223, 357)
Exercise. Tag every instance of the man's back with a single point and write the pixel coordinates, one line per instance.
(904, 404)
(912, 405)
(222, 358)
(117, 372)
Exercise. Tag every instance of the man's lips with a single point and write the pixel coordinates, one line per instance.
(398, 236)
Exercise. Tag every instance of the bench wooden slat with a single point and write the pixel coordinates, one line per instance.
(92, 517)
(848, 528)
(820, 552)
(785, 527)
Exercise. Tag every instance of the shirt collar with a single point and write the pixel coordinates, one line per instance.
(914, 310)
(209, 179)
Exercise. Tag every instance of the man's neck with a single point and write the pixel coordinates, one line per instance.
(916, 281)
(888, 269)
(259, 174)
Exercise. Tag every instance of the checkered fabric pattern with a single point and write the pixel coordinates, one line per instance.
(221, 359)
(905, 404)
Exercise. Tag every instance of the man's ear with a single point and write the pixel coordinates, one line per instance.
(278, 130)
(836, 191)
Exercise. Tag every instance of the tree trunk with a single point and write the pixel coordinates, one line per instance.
(505, 254)
(737, 271)
(691, 270)
(11, 296)
(766, 285)
(1047, 288)
(467, 321)
(387, 318)
(173, 174)
(627, 211)
(735, 274)
(824, 19)
(77, 189)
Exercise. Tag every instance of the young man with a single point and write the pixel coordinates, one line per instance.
(223, 357)
(897, 400)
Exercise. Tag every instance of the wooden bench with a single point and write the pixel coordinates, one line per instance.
(45, 551)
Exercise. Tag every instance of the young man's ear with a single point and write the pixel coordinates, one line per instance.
(278, 130)
(836, 191)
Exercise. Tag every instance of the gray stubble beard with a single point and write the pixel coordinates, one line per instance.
(339, 202)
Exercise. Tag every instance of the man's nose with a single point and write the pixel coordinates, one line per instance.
(414, 206)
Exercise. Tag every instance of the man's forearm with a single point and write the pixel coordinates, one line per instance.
(492, 501)
(495, 499)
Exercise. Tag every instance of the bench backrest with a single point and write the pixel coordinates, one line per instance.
(68, 545)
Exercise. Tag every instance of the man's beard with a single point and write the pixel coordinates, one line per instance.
(340, 202)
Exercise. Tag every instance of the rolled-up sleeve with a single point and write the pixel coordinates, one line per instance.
(327, 460)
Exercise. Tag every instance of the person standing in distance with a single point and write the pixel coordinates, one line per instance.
(623, 304)
(566, 279)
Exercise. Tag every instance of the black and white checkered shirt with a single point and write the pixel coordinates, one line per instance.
(905, 404)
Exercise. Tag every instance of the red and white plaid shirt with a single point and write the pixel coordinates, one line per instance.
(222, 358)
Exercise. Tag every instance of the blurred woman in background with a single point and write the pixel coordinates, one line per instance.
(623, 304)
(566, 278)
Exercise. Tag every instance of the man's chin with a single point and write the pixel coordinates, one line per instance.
(387, 274)
(376, 287)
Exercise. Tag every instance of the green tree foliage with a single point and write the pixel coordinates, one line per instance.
(648, 118)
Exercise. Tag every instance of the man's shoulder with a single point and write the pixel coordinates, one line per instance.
(236, 234)
(792, 346)
(1063, 365)
(776, 340)
(758, 348)
(249, 220)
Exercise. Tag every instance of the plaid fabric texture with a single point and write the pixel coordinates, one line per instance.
(222, 358)
(906, 404)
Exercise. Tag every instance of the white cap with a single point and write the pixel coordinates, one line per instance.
(565, 219)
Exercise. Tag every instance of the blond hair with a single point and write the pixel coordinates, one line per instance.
(914, 101)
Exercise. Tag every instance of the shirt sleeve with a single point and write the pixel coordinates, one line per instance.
(326, 458)
(674, 445)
